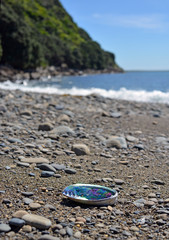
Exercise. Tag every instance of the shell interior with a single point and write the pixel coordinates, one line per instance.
(89, 192)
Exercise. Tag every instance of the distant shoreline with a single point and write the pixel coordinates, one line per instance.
(9, 73)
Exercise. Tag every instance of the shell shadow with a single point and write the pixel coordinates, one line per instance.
(69, 203)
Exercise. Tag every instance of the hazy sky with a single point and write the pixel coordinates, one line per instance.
(137, 31)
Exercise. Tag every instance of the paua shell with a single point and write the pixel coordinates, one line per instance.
(91, 194)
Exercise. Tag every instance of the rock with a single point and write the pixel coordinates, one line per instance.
(116, 142)
(61, 130)
(37, 221)
(80, 149)
(45, 127)
(69, 231)
(131, 139)
(23, 164)
(34, 160)
(34, 206)
(47, 167)
(14, 140)
(77, 235)
(64, 118)
(134, 229)
(27, 228)
(48, 237)
(27, 194)
(158, 182)
(47, 174)
(116, 114)
(149, 203)
(139, 147)
(27, 201)
(118, 181)
(4, 227)
(70, 171)
(58, 167)
(19, 214)
(139, 203)
(26, 113)
(16, 222)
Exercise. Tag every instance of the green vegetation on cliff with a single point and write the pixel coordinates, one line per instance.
(41, 33)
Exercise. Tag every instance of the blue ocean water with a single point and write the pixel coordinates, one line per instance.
(137, 86)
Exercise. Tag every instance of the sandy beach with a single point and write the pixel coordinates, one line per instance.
(124, 145)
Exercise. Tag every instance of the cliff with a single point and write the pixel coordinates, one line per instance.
(41, 33)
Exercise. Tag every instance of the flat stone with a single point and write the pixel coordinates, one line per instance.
(27, 201)
(48, 237)
(131, 138)
(158, 182)
(116, 114)
(47, 174)
(80, 149)
(28, 194)
(70, 171)
(58, 167)
(34, 160)
(37, 221)
(34, 206)
(23, 164)
(47, 167)
(4, 227)
(118, 181)
(14, 140)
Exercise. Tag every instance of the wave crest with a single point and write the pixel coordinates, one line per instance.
(122, 93)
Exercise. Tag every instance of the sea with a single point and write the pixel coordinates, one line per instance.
(142, 86)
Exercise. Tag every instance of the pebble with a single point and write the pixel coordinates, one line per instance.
(27, 201)
(70, 171)
(45, 127)
(77, 235)
(19, 214)
(37, 221)
(116, 142)
(158, 182)
(27, 194)
(34, 206)
(47, 174)
(119, 181)
(47, 167)
(16, 222)
(4, 227)
(34, 160)
(48, 237)
(61, 130)
(80, 149)
(58, 166)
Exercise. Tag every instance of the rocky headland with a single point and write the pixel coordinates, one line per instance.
(122, 145)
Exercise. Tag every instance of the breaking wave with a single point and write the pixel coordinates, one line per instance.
(122, 93)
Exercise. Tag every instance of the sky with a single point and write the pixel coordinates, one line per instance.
(137, 32)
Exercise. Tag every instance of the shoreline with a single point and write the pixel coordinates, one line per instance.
(9, 73)
(134, 162)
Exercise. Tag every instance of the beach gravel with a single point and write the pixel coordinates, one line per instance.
(48, 142)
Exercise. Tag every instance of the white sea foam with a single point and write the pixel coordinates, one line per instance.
(123, 93)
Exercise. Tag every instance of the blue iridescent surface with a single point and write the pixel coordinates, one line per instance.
(88, 192)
